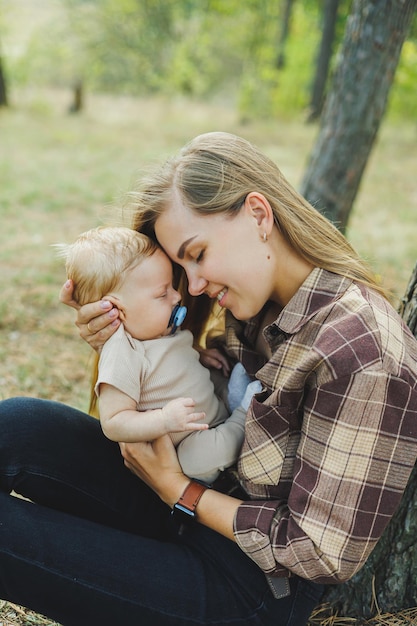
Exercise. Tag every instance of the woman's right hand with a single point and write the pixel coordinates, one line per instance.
(96, 321)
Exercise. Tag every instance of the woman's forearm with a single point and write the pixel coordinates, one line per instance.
(217, 511)
(156, 463)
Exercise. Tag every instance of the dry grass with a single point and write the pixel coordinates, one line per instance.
(14, 615)
(62, 174)
(324, 616)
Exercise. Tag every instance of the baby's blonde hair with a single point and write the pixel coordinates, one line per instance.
(98, 260)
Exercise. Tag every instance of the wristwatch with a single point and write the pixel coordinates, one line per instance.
(184, 510)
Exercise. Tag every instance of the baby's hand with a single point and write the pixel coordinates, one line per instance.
(178, 415)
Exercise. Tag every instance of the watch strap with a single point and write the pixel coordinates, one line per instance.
(191, 495)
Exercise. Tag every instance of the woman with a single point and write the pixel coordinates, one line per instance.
(329, 442)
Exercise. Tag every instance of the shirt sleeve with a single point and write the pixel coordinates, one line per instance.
(350, 466)
(122, 364)
(205, 453)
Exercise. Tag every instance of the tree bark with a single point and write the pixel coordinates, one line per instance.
(388, 579)
(408, 305)
(375, 33)
(323, 59)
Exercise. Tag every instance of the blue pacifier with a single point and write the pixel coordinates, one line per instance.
(177, 317)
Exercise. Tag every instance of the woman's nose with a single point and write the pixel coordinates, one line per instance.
(196, 285)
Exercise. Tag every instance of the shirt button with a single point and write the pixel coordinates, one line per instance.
(274, 331)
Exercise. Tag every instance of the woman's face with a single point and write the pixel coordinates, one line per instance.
(223, 257)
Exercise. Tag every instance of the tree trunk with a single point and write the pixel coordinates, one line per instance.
(285, 29)
(323, 59)
(3, 90)
(408, 306)
(375, 33)
(78, 97)
(388, 579)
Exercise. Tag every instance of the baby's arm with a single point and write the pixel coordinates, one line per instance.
(121, 421)
(204, 455)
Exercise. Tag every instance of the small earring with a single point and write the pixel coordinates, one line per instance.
(265, 238)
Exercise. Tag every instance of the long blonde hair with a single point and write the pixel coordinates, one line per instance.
(214, 173)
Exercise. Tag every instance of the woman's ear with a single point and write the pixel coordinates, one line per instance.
(261, 210)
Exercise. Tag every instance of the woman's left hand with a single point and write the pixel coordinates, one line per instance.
(213, 358)
(156, 463)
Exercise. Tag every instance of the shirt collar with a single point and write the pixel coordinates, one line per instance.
(320, 288)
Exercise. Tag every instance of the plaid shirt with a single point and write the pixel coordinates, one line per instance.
(331, 440)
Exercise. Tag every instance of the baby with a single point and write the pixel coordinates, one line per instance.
(150, 379)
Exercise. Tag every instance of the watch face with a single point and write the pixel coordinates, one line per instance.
(181, 512)
(181, 516)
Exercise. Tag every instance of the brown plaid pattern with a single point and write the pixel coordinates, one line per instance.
(331, 440)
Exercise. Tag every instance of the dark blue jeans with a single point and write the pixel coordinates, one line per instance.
(96, 546)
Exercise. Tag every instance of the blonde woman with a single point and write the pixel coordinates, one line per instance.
(329, 442)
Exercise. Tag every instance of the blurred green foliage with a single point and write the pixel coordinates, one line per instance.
(200, 48)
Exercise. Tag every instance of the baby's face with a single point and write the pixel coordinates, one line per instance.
(147, 297)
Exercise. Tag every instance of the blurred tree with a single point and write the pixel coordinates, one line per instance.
(324, 56)
(286, 10)
(77, 103)
(3, 89)
(375, 33)
(3, 84)
(128, 43)
(199, 48)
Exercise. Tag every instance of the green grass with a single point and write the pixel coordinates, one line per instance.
(63, 174)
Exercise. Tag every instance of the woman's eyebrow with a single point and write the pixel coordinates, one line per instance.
(183, 246)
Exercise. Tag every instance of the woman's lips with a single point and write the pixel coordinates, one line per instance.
(221, 295)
